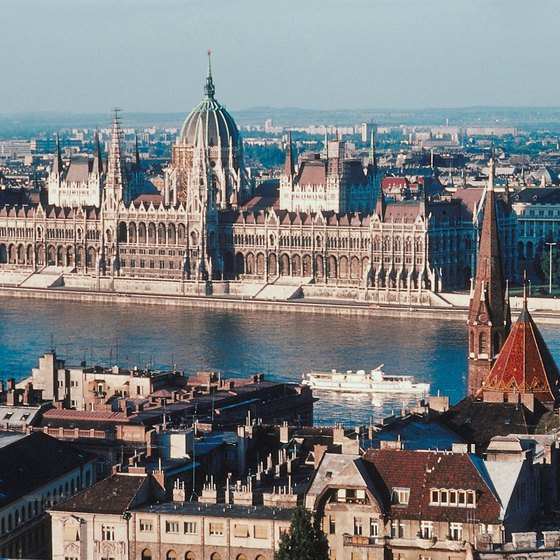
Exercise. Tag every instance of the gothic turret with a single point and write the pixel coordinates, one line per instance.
(114, 185)
(488, 320)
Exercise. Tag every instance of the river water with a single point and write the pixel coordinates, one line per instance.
(240, 343)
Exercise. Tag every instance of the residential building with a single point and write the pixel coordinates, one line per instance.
(36, 472)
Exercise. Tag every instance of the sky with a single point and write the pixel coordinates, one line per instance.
(150, 55)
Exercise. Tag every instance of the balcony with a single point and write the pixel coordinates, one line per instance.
(360, 540)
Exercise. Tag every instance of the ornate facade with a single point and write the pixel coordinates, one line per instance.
(204, 230)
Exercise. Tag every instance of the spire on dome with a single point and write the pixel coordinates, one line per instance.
(209, 89)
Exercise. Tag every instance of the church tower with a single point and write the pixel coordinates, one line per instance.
(488, 320)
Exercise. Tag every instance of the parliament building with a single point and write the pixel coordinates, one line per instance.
(328, 232)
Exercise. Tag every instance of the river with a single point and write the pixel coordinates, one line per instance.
(239, 343)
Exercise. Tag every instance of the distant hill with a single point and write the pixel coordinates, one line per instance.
(542, 118)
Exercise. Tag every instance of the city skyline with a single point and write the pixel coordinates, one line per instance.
(147, 58)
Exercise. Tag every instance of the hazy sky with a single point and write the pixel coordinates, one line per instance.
(150, 55)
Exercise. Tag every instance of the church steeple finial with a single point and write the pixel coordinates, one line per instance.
(57, 164)
(209, 88)
(289, 163)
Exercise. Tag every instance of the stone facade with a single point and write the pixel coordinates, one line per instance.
(203, 230)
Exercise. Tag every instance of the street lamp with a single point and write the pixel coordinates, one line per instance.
(550, 245)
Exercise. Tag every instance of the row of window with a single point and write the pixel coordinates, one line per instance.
(151, 264)
(240, 530)
(453, 498)
(172, 555)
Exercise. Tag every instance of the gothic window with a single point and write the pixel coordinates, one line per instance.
(161, 234)
(482, 343)
(151, 233)
(122, 232)
(272, 265)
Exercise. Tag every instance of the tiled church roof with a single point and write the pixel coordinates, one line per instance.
(525, 364)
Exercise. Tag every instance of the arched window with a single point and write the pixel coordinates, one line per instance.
(171, 555)
(146, 554)
(216, 556)
(190, 555)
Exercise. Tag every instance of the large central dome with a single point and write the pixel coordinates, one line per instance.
(209, 122)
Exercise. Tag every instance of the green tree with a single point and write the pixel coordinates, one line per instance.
(303, 540)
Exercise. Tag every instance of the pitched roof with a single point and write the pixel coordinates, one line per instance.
(422, 471)
(33, 461)
(525, 364)
(111, 495)
(478, 422)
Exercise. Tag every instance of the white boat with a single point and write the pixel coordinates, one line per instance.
(375, 381)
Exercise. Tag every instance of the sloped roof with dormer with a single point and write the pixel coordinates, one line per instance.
(421, 472)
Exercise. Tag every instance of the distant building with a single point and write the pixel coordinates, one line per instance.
(538, 218)
(329, 183)
(329, 233)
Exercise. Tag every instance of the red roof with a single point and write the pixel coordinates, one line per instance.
(525, 364)
(423, 471)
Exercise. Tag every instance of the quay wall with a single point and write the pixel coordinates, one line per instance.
(239, 296)
(233, 303)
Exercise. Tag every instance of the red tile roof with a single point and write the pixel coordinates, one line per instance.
(422, 471)
(525, 364)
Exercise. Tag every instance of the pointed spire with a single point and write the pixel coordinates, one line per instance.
(57, 164)
(136, 152)
(97, 160)
(115, 180)
(489, 316)
(372, 153)
(289, 163)
(507, 307)
(525, 308)
(380, 205)
(209, 89)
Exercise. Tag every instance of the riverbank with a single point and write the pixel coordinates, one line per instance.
(239, 303)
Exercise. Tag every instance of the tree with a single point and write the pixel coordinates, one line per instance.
(303, 540)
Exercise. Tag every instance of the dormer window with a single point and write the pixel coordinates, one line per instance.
(452, 497)
(400, 496)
